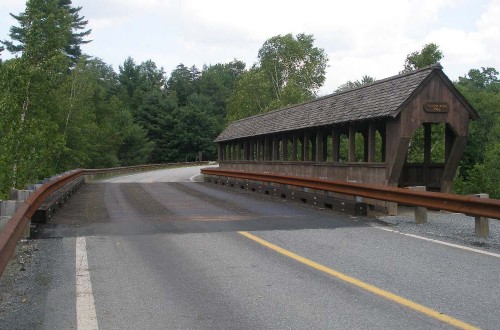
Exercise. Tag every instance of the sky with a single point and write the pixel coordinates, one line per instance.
(360, 37)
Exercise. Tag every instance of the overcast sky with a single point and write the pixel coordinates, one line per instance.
(360, 37)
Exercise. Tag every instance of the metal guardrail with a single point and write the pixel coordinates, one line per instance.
(12, 232)
(469, 205)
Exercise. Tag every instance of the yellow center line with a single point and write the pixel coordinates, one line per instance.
(368, 287)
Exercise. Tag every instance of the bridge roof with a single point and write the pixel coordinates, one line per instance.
(382, 98)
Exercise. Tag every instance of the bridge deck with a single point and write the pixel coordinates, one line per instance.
(173, 255)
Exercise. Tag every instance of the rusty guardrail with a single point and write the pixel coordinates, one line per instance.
(474, 206)
(14, 228)
(12, 232)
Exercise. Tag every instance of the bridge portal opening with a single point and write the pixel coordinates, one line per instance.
(426, 157)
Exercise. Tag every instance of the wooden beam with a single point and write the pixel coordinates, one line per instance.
(451, 164)
(449, 140)
(427, 151)
(319, 146)
(383, 136)
(325, 146)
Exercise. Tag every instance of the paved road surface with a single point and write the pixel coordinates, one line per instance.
(184, 255)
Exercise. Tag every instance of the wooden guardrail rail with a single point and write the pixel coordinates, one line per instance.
(13, 230)
(474, 206)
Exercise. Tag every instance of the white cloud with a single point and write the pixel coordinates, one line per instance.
(360, 37)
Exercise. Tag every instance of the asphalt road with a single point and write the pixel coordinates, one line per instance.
(157, 251)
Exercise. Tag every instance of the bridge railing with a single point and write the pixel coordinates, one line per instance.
(469, 205)
(14, 228)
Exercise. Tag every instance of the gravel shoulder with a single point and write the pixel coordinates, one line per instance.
(451, 227)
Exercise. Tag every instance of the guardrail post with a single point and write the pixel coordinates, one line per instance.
(420, 212)
(4, 220)
(392, 208)
(482, 228)
(7, 210)
(20, 196)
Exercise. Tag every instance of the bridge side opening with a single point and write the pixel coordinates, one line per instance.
(426, 157)
(360, 149)
(344, 148)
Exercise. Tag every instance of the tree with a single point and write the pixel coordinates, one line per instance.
(285, 59)
(428, 55)
(365, 80)
(156, 115)
(138, 80)
(193, 132)
(97, 126)
(181, 83)
(51, 24)
(75, 38)
(290, 70)
(252, 95)
(217, 82)
(479, 168)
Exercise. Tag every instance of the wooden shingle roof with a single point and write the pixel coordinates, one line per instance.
(382, 98)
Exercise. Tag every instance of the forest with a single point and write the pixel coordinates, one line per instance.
(62, 109)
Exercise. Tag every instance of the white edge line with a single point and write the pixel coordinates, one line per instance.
(86, 318)
(194, 176)
(441, 242)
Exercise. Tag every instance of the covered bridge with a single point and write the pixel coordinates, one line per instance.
(362, 135)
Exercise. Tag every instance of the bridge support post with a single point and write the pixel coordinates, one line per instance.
(482, 228)
(420, 212)
(319, 146)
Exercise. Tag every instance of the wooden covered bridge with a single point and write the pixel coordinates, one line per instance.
(362, 135)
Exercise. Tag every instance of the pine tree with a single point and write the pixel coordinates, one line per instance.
(78, 32)
(34, 23)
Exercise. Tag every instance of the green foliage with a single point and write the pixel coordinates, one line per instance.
(416, 147)
(428, 55)
(181, 83)
(48, 26)
(59, 109)
(479, 167)
(286, 59)
(290, 71)
(252, 95)
(365, 80)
